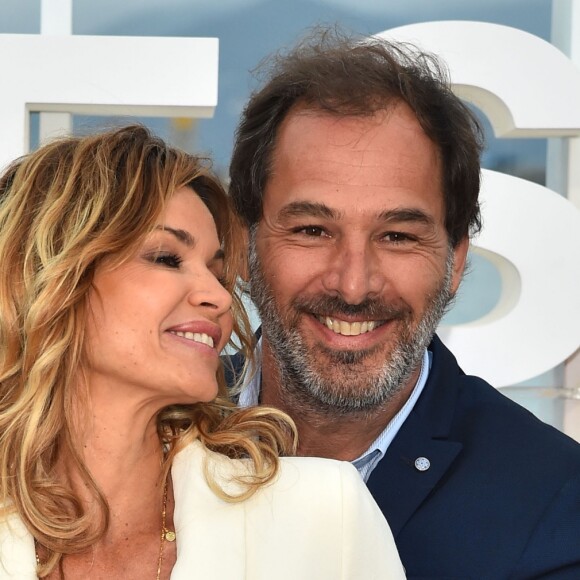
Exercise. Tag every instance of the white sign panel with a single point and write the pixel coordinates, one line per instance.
(102, 75)
(528, 88)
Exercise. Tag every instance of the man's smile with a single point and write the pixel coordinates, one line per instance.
(346, 328)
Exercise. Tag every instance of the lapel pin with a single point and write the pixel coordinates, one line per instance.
(422, 464)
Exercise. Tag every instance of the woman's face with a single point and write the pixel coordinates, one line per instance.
(158, 322)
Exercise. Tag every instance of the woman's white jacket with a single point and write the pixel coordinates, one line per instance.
(316, 521)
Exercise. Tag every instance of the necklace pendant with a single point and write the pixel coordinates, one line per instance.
(169, 535)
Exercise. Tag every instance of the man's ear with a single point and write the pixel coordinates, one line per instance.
(459, 261)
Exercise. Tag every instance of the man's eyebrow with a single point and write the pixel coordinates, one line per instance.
(182, 235)
(407, 215)
(311, 209)
(307, 209)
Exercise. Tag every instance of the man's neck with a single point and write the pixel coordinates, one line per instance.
(323, 435)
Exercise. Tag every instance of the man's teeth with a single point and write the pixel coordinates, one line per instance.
(195, 336)
(348, 328)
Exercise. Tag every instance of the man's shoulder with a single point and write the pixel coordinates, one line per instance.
(510, 425)
(481, 416)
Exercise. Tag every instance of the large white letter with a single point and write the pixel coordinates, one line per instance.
(99, 75)
(527, 88)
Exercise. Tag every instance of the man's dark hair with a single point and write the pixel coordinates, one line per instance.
(345, 75)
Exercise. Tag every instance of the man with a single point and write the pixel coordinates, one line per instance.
(356, 170)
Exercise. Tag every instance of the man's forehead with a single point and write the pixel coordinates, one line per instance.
(314, 176)
(340, 128)
(352, 140)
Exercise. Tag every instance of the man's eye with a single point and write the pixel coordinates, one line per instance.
(166, 259)
(396, 237)
(313, 231)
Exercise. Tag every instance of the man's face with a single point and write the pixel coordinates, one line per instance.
(351, 266)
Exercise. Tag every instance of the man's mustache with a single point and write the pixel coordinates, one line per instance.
(369, 309)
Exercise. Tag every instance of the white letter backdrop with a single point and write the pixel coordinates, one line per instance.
(102, 75)
(527, 88)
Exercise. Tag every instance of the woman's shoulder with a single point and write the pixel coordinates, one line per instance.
(332, 489)
(327, 475)
(316, 519)
(315, 466)
(328, 498)
(295, 474)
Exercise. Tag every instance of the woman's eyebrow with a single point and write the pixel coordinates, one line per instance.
(182, 235)
(186, 238)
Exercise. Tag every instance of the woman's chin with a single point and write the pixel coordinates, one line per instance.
(205, 395)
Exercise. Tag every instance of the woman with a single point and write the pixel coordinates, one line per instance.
(118, 256)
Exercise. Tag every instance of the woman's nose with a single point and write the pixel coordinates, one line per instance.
(209, 292)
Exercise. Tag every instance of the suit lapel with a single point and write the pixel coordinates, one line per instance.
(397, 484)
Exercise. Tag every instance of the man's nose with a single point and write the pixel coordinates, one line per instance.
(354, 272)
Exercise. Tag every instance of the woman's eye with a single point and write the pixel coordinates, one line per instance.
(166, 259)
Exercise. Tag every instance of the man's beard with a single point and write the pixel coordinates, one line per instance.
(328, 382)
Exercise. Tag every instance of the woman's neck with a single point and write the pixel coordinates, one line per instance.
(120, 447)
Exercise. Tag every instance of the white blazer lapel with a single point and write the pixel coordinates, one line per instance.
(210, 532)
(17, 557)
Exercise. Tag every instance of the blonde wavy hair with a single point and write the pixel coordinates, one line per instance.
(63, 209)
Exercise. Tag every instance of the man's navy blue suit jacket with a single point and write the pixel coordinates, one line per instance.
(501, 498)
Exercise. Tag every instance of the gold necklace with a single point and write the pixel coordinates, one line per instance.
(166, 535)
